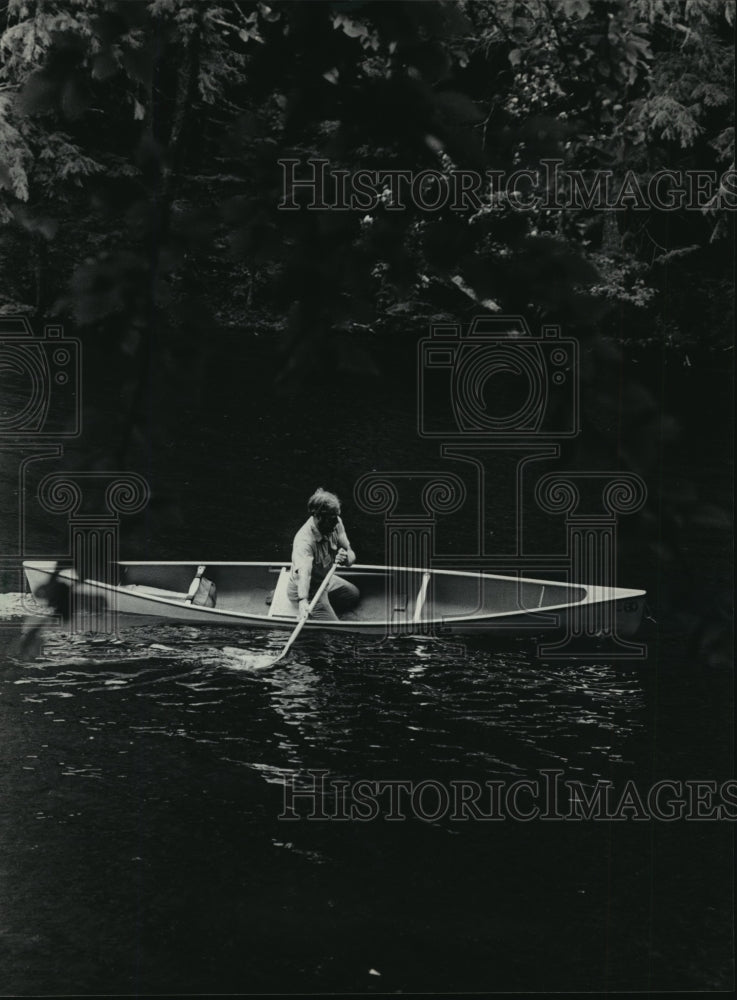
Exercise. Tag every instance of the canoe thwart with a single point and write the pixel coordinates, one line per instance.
(195, 585)
(421, 597)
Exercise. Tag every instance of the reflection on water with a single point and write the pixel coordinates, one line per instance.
(147, 773)
(422, 701)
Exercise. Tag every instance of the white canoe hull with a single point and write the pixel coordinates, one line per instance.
(404, 600)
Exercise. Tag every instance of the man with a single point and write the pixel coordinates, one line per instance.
(317, 545)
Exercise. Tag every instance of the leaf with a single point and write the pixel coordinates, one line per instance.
(461, 285)
(248, 35)
(576, 8)
(399, 308)
(515, 57)
(352, 28)
(14, 178)
(15, 156)
(267, 13)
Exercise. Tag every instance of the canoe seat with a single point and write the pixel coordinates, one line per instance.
(281, 606)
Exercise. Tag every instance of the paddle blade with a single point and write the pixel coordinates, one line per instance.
(246, 660)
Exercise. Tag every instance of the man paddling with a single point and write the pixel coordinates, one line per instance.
(319, 543)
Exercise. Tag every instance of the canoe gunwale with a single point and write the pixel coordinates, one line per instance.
(592, 595)
(374, 568)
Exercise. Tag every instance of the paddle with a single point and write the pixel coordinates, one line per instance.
(262, 661)
(313, 602)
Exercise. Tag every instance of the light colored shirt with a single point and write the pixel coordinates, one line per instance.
(313, 554)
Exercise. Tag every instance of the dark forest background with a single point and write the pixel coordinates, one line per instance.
(139, 176)
(139, 192)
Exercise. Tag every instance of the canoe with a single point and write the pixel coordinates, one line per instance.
(393, 600)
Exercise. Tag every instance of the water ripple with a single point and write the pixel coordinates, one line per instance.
(337, 702)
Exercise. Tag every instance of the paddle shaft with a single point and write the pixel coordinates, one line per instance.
(313, 602)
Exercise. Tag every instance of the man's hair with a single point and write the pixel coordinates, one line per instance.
(321, 501)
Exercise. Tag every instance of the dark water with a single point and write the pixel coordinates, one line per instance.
(143, 776)
(144, 850)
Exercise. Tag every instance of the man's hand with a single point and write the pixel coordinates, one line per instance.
(304, 609)
(342, 557)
